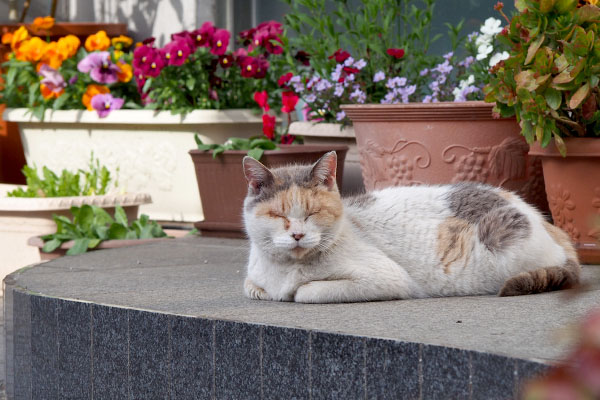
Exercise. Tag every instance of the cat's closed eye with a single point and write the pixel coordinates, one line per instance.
(274, 214)
(311, 213)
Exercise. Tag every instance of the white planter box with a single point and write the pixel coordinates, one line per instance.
(328, 133)
(149, 148)
(22, 218)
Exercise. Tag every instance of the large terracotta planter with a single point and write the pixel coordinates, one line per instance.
(438, 143)
(223, 187)
(149, 148)
(21, 218)
(334, 134)
(573, 189)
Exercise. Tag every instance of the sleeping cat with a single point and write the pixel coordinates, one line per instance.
(309, 245)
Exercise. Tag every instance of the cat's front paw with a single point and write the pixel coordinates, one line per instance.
(254, 292)
(307, 293)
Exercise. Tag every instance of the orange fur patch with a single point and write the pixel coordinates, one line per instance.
(455, 242)
(562, 239)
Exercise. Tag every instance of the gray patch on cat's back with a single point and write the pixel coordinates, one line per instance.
(471, 201)
(361, 200)
(502, 227)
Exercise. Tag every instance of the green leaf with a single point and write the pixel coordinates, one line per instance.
(51, 245)
(79, 246)
(553, 98)
(533, 48)
(190, 82)
(560, 145)
(120, 216)
(546, 6)
(84, 217)
(94, 243)
(117, 231)
(256, 153)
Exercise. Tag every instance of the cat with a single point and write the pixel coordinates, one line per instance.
(309, 245)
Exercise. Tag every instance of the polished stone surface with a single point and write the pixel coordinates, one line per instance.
(169, 320)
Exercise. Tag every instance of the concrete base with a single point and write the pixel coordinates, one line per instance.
(169, 319)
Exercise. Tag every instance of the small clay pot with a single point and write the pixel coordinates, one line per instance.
(573, 189)
(439, 143)
(223, 187)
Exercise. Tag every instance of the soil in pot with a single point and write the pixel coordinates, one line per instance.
(223, 187)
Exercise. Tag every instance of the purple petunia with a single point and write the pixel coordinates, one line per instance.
(105, 103)
(379, 76)
(52, 79)
(340, 116)
(100, 67)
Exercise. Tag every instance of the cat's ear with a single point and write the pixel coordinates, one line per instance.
(257, 175)
(324, 170)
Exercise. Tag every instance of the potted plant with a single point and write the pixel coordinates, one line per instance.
(12, 158)
(436, 138)
(144, 106)
(550, 83)
(27, 211)
(221, 182)
(92, 228)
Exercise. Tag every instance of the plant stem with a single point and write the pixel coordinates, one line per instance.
(25, 9)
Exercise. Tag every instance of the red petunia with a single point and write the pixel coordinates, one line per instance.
(268, 126)
(262, 99)
(351, 70)
(340, 55)
(396, 53)
(289, 101)
(284, 79)
(287, 139)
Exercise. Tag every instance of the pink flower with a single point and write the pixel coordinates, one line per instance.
(147, 61)
(100, 67)
(219, 42)
(105, 103)
(284, 79)
(287, 139)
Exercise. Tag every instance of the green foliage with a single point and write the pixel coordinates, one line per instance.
(94, 181)
(91, 225)
(550, 82)
(255, 146)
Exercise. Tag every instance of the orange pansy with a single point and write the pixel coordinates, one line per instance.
(48, 94)
(98, 41)
(51, 56)
(42, 23)
(7, 38)
(121, 41)
(90, 92)
(68, 46)
(20, 35)
(125, 72)
(31, 50)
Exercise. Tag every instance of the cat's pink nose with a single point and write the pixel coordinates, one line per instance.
(297, 236)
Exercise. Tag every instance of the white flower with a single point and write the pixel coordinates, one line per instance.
(379, 76)
(360, 64)
(310, 98)
(349, 61)
(496, 58)
(484, 51)
(491, 26)
(483, 40)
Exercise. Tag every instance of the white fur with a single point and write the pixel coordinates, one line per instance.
(386, 250)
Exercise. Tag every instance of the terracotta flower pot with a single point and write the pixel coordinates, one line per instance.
(438, 143)
(573, 189)
(223, 187)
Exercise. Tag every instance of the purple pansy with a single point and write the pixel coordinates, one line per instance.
(53, 80)
(105, 103)
(100, 67)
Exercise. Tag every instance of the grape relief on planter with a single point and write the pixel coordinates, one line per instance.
(561, 205)
(506, 161)
(595, 231)
(400, 167)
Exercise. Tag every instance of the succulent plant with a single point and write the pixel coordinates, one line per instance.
(550, 81)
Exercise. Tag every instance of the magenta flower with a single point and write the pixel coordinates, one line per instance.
(105, 103)
(100, 67)
(248, 66)
(185, 36)
(176, 52)
(219, 42)
(202, 36)
(147, 61)
(53, 80)
(262, 65)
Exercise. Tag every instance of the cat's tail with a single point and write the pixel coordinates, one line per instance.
(547, 279)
